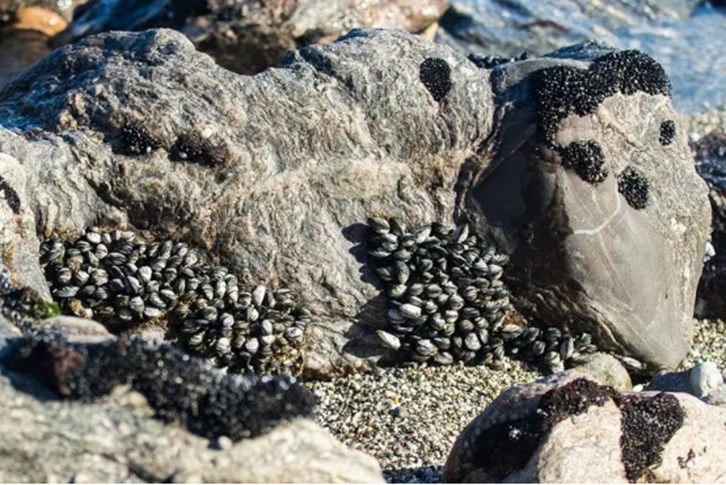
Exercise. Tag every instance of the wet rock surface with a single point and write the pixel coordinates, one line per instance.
(548, 431)
(681, 34)
(335, 136)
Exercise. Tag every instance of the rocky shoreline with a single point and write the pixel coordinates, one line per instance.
(478, 266)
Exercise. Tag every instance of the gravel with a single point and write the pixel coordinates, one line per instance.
(408, 418)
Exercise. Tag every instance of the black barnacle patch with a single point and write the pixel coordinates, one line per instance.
(11, 196)
(135, 140)
(631, 71)
(435, 74)
(179, 388)
(507, 447)
(635, 187)
(667, 132)
(648, 425)
(197, 149)
(586, 159)
(560, 91)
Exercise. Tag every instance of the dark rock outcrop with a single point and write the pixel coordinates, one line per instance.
(286, 166)
(710, 152)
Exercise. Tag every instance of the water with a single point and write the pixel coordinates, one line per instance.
(688, 40)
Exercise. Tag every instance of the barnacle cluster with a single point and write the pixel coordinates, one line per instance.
(449, 303)
(635, 187)
(667, 132)
(561, 91)
(120, 281)
(586, 159)
(435, 74)
(179, 387)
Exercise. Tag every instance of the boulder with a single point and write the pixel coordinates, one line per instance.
(250, 37)
(582, 192)
(568, 429)
(117, 440)
(285, 166)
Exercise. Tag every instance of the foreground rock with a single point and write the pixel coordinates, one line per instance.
(549, 431)
(85, 408)
(250, 37)
(274, 174)
(117, 440)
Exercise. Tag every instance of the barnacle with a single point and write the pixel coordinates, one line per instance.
(435, 74)
(635, 187)
(586, 159)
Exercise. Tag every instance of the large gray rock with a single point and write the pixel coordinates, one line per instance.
(583, 192)
(291, 161)
(568, 429)
(117, 440)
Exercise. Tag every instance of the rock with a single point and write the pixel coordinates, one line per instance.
(600, 235)
(494, 28)
(700, 381)
(291, 162)
(550, 430)
(710, 153)
(607, 370)
(74, 326)
(119, 395)
(250, 37)
(107, 441)
(705, 377)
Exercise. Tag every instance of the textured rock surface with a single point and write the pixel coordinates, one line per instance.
(566, 429)
(246, 36)
(297, 158)
(117, 440)
(582, 242)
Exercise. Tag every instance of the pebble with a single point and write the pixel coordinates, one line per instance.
(408, 418)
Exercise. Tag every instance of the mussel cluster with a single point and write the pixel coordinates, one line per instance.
(449, 303)
(120, 281)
